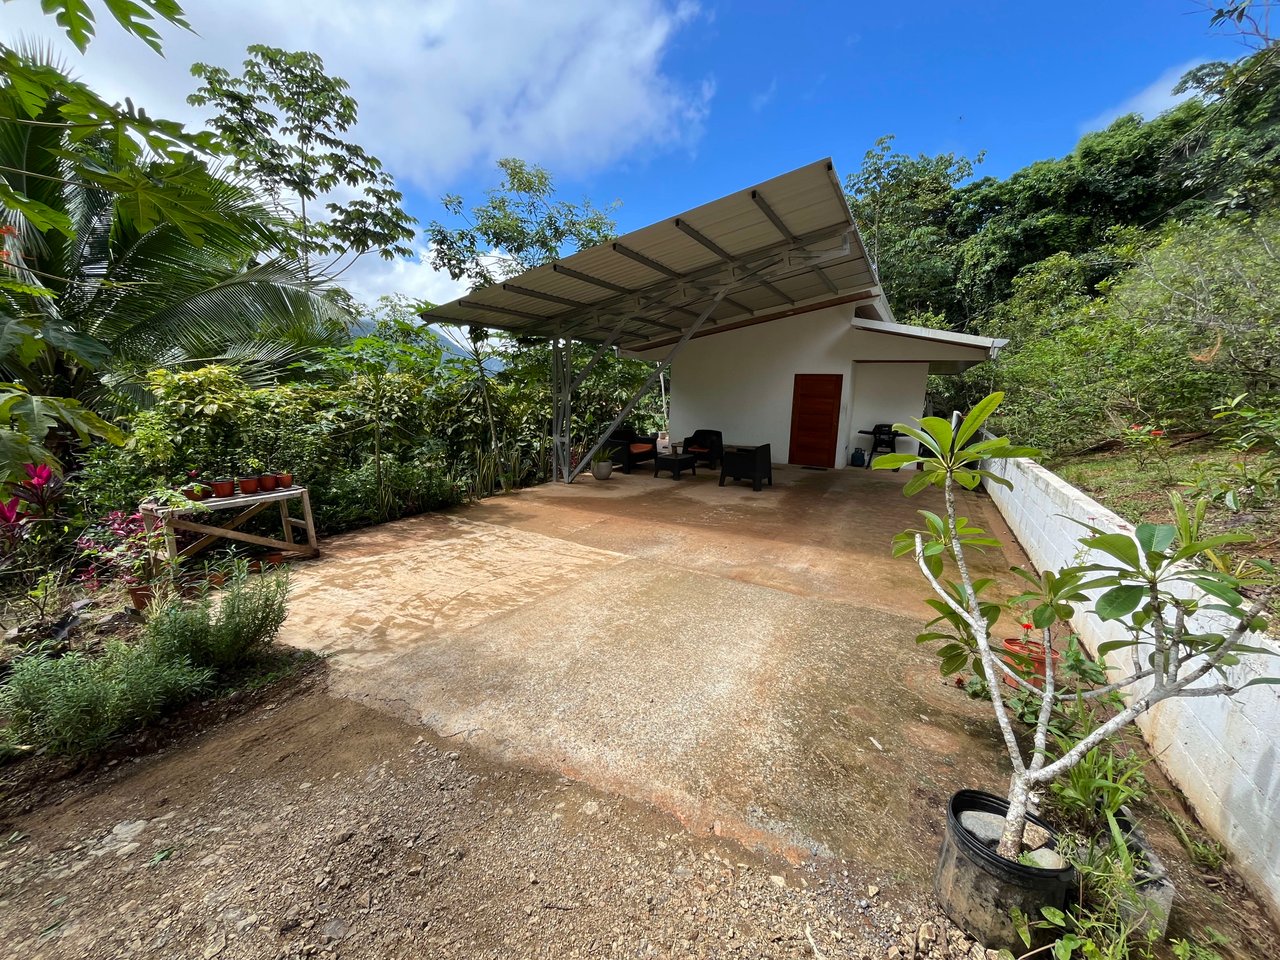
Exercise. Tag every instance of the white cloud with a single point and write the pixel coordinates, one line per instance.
(442, 85)
(1151, 101)
(371, 277)
(765, 97)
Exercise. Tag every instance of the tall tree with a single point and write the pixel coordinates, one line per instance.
(520, 225)
(283, 122)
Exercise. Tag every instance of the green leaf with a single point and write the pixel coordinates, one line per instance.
(893, 461)
(1043, 616)
(1054, 916)
(1117, 545)
(976, 417)
(917, 483)
(40, 215)
(1119, 602)
(1155, 537)
(940, 431)
(1105, 648)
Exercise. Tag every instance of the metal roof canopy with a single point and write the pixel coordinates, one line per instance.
(789, 242)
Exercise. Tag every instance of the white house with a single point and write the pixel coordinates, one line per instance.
(763, 305)
(806, 382)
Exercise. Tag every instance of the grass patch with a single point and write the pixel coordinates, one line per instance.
(1137, 485)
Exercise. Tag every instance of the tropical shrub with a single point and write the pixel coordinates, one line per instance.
(77, 703)
(223, 631)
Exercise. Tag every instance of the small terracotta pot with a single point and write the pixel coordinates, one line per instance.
(196, 492)
(224, 488)
(1033, 650)
(285, 480)
(248, 484)
(274, 557)
(141, 596)
(267, 482)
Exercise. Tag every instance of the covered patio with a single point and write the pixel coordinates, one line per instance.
(744, 661)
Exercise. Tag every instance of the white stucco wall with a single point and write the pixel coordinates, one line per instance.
(741, 381)
(887, 393)
(1224, 753)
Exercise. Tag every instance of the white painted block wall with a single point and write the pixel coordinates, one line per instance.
(1223, 753)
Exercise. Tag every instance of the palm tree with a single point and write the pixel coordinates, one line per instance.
(110, 282)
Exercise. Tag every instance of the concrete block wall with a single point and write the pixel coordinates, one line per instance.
(1223, 753)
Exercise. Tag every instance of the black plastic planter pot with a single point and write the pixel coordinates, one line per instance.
(978, 889)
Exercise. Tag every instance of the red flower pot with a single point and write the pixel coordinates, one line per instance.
(196, 492)
(224, 488)
(267, 482)
(285, 480)
(1032, 650)
(248, 484)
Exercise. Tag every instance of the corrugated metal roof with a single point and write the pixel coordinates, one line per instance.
(655, 281)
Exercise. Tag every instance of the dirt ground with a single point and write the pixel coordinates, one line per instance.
(640, 718)
(316, 826)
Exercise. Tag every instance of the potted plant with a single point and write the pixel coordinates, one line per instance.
(602, 464)
(284, 479)
(1152, 583)
(248, 480)
(267, 482)
(197, 491)
(1026, 656)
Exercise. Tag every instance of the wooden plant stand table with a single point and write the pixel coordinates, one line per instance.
(172, 519)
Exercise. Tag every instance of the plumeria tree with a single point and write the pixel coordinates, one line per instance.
(1161, 584)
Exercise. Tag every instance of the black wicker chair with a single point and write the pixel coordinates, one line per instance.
(706, 446)
(629, 448)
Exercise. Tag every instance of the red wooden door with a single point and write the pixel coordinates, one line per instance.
(815, 419)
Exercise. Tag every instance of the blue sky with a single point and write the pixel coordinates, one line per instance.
(1019, 80)
(665, 104)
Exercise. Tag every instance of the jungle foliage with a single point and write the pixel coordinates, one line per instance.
(1135, 278)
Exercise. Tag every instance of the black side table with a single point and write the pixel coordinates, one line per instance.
(675, 462)
(748, 463)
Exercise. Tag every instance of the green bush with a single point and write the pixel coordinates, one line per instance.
(77, 704)
(225, 633)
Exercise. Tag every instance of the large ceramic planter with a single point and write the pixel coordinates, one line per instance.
(978, 889)
(602, 470)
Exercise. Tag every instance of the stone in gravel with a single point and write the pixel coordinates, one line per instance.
(926, 936)
(872, 890)
(591, 808)
(987, 827)
(128, 829)
(778, 882)
(1046, 859)
(343, 837)
(215, 946)
(334, 930)
(127, 849)
(1035, 837)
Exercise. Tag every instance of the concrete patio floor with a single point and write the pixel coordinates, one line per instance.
(744, 660)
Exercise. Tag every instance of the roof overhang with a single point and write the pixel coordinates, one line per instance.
(783, 246)
(991, 345)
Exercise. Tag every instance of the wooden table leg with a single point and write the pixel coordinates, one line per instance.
(310, 520)
(284, 521)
